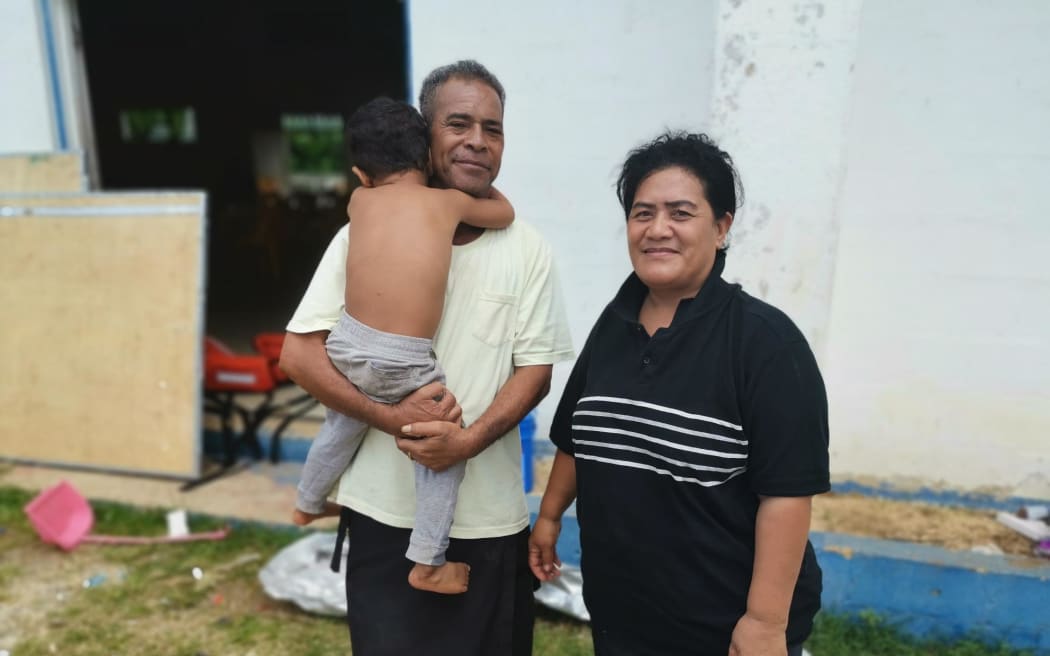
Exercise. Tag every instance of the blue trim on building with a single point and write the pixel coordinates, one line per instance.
(937, 497)
(932, 592)
(292, 449)
(52, 68)
(926, 591)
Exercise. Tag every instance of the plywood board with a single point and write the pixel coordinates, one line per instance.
(100, 341)
(42, 172)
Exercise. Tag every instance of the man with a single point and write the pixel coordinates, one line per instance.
(502, 329)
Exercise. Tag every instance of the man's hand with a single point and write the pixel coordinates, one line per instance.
(753, 636)
(543, 556)
(306, 361)
(436, 445)
(432, 402)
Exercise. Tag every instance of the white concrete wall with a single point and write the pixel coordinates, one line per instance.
(586, 82)
(25, 113)
(781, 101)
(892, 153)
(938, 362)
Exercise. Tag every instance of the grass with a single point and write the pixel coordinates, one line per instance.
(870, 635)
(146, 600)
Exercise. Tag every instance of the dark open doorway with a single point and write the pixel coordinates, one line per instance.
(245, 100)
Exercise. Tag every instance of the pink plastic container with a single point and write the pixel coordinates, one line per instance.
(61, 516)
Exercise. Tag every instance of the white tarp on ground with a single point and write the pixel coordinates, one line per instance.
(301, 573)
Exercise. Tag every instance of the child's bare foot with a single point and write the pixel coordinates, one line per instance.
(450, 578)
(301, 518)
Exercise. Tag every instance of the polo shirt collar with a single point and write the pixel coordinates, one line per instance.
(713, 293)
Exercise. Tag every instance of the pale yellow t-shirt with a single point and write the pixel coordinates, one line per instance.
(503, 309)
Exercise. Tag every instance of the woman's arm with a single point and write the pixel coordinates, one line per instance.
(781, 532)
(560, 492)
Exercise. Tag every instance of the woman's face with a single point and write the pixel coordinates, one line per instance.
(672, 233)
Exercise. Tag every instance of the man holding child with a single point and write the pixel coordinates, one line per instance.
(502, 329)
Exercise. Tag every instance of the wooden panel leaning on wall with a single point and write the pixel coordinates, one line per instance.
(103, 324)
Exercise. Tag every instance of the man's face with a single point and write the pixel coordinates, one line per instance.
(466, 146)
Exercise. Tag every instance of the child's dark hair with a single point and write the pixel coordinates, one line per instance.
(387, 136)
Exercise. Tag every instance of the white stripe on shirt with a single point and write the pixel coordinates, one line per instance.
(659, 424)
(647, 438)
(661, 408)
(680, 463)
(680, 479)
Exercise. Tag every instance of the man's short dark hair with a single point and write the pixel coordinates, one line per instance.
(464, 69)
(386, 136)
(696, 153)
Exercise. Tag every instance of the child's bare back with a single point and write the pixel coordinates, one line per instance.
(401, 247)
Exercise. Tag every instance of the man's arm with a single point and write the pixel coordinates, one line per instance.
(441, 444)
(306, 362)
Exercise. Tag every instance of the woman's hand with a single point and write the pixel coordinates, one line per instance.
(753, 636)
(543, 557)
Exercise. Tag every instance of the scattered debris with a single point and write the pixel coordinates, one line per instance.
(198, 573)
(565, 593)
(300, 573)
(1033, 529)
(177, 524)
(60, 515)
(988, 549)
(1034, 512)
(94, 581)
(1042, 549)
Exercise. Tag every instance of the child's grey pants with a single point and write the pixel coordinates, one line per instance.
(386, 368)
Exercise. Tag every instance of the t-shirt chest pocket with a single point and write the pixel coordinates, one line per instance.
(494, 319)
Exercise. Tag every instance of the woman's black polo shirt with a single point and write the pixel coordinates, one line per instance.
(674, 438)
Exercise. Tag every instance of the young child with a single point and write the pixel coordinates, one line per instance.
(398, 262)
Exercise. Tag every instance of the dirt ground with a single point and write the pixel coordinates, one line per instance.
(265, 492)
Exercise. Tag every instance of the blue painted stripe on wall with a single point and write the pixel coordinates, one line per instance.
(52, 69)
(937, 497)
(292, 449)
(926, 591)
(933, 592)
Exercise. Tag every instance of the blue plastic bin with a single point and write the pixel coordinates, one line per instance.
(527, 427)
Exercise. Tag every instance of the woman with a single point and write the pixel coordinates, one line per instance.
(692, 434)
